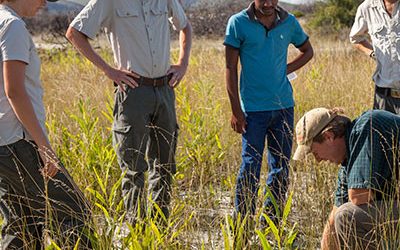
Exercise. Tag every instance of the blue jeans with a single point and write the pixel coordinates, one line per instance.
(277, 128)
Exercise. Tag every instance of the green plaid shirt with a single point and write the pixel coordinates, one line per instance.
(372, 142)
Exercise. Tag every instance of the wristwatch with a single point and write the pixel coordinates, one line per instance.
(372, 54)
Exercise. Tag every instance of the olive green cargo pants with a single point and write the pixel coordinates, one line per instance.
(144, 135)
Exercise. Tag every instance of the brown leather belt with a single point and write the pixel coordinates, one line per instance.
(155, 82)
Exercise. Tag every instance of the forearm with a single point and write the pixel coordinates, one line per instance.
(364, 46)
(232, 79)
(81, 43)
(306, 53)
(232, 88)
(185, 44)
(298, 62)
(360, 196)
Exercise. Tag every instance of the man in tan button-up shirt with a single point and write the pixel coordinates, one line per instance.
(380, 20)
(145, 125)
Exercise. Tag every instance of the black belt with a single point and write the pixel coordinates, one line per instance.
(395, 93)
(155, 82)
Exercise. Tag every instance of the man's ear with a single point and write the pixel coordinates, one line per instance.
(329, 136)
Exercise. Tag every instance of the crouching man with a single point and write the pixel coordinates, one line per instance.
(366, 211)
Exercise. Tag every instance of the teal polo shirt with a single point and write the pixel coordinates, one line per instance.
(264, 85)
(372, 143)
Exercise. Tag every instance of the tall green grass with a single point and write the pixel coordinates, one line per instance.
(79, 101)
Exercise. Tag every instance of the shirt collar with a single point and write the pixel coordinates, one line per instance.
(5, 7)
(280, 17)
(347, 141)
(376, 3)
(380, 3)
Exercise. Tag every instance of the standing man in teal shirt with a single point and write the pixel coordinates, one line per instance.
(260, 36)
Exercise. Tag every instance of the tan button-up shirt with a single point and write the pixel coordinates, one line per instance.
(138, 31)
(373, 19)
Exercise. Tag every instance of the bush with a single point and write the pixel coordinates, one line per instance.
(334, 15)
(298, 13)
(50, 23)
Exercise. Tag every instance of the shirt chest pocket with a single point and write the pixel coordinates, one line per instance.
(123, 13)
(158, 16)
(128, 18)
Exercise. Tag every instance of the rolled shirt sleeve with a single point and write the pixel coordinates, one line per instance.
(359, 30)
(177, 15)
(96, 15)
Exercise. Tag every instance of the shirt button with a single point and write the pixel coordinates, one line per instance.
(151, 39)
(145, 13)
(155, 66)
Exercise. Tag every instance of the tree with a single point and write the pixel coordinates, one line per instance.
(334, 15)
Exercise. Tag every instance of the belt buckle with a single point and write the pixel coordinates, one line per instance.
(395, 93)
(154, 82)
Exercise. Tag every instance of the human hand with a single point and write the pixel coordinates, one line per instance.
(178, 71)
(121, 77)
(51, 164)
(238, 123)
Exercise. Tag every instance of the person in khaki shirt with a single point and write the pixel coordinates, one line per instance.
(145, 125)
(378, 20)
